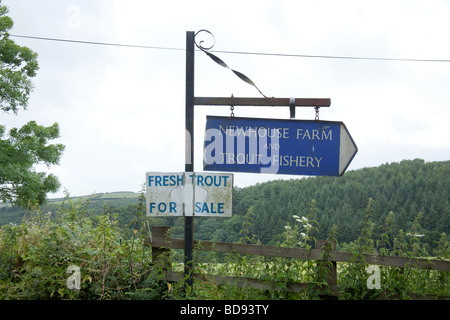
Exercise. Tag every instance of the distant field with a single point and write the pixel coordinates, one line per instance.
(95, 202)
(120, 195)
(108, 195)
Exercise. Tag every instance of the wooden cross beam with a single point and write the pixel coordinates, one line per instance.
(262, 102)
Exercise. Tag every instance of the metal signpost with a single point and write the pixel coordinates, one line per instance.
(189, 155)
(242, 145)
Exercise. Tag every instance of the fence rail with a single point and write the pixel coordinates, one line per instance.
(160, 243)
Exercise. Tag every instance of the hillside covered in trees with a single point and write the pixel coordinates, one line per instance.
(410, 192)
(404, 189)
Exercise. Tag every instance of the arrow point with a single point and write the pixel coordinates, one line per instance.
(347, 150)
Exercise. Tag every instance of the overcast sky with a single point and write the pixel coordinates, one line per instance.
(121, 109)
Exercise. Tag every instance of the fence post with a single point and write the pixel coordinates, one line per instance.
(160, 253)
(331, 267)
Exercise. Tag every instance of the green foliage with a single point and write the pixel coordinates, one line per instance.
(35, 256)
(103, 235)
(353, 277)
(400, 190)
(17, 65)
(395, 282)
(20, 184)
(22, 149)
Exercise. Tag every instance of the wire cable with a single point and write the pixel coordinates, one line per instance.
(234, 52)
(332, 57)
(96, 43)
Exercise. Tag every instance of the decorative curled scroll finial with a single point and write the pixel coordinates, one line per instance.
(200, 44)
(219, 61)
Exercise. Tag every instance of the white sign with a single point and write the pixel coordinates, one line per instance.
(189, 193)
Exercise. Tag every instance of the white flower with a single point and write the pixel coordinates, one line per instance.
(288, 227)
(415, 234)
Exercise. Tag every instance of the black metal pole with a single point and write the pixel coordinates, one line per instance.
(189, 157)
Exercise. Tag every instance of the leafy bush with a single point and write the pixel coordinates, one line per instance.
(36, 254)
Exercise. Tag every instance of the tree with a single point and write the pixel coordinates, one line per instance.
(22, 149)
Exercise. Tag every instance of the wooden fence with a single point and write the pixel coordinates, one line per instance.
(161, 243)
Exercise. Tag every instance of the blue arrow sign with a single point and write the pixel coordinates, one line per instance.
(298, 147)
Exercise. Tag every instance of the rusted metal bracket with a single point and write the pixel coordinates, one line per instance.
(262, 102)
